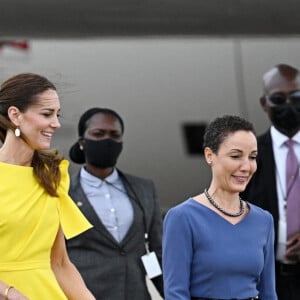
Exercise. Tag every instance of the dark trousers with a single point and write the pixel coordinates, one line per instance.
(287, 284)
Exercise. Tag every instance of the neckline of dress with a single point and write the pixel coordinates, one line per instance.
(220, 216)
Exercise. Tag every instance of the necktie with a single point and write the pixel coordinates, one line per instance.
(292, 190)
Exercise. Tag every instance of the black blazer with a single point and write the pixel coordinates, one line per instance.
(261, 190)
(112, 270)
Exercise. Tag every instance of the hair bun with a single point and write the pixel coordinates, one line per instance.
(76, 154)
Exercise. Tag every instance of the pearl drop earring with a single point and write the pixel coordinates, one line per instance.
(17, 132)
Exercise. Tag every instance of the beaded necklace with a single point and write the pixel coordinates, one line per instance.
(216, 205)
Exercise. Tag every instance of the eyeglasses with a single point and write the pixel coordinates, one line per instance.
(281, 98)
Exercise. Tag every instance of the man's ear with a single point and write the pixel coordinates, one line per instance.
(14, 115)
(263, 102)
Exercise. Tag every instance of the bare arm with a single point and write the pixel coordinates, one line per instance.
(66, 273)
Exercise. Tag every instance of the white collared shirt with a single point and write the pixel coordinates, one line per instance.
(280, 152)
(110, 201)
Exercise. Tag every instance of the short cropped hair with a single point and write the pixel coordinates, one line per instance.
(218, 130)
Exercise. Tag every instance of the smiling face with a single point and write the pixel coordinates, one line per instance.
(40, 120)
(235, 161)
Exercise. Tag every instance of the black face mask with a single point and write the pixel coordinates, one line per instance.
(102, 154)
(286, 118)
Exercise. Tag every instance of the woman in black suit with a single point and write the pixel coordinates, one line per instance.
(124, 210)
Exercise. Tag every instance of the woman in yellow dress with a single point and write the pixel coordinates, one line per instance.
(36, 212)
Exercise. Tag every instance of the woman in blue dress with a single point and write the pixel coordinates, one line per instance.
(215, 245)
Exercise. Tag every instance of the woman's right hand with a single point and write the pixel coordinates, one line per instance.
(14, 294)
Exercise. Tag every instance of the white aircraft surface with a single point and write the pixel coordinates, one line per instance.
(158, 85)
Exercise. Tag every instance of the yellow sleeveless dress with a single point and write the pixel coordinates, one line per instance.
(29, 222)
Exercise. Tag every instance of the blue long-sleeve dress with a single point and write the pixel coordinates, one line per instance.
(204, 255)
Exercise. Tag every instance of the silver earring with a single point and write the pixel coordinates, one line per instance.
(17, 132)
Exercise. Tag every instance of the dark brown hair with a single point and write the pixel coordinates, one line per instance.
(21, 91)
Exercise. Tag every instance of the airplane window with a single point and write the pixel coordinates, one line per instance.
(193, 137)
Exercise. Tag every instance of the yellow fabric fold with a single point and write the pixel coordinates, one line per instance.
(72, 221)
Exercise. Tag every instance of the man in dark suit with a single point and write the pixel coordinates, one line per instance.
(267, 188)
(124, 210)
